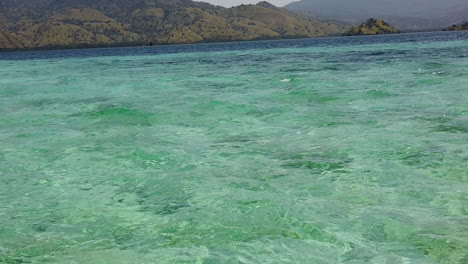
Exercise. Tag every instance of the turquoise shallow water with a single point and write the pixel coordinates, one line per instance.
(344, 153)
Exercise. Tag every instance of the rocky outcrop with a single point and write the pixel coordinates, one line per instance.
(372, 27)
(460, 26)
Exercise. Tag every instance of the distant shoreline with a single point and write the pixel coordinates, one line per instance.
(143, 44)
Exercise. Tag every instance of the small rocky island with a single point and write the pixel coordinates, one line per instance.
(456, 27)
(372, 27)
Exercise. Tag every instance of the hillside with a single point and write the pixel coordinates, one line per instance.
(82, 23)
(460, 26)
(372, 27)
(9, 41)
(404, 15)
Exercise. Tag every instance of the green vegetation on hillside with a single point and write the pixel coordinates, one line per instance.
(78, 23)
(372, 27)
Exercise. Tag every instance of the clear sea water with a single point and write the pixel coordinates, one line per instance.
(334, 150)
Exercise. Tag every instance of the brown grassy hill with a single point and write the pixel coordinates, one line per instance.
(279, 21)
(10, 41)
(75, 23)
(372, 27)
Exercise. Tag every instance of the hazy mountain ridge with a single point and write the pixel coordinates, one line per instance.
(404, 15)
(76, 23)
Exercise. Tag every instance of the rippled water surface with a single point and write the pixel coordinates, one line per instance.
(345, 150)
